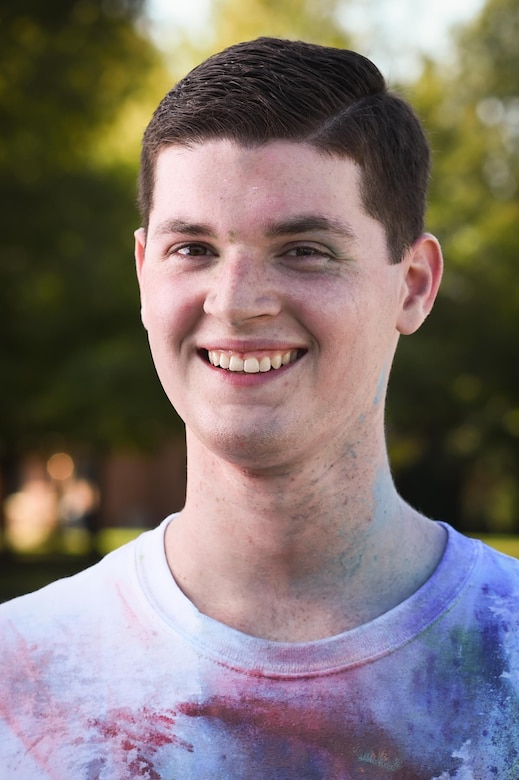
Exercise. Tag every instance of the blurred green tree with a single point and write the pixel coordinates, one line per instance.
(311, 20)
(78, 82)
(454, 403)
(230, 22)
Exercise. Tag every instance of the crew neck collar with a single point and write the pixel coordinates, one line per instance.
(262, 657)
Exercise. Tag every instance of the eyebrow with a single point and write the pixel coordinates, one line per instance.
(308, 223)
(300, 223)
(193, 229)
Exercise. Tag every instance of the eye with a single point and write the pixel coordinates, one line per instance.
(191, 250)
(307, 257)
(307, 250)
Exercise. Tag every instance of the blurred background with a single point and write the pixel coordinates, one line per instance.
(90, 451)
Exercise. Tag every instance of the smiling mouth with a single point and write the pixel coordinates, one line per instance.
(251, 364)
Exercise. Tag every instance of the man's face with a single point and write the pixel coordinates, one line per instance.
(271, 307)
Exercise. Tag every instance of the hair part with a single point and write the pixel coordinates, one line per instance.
(336, 100)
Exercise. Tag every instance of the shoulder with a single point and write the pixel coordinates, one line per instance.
(486, 567)
(62, 599)
(77, 602)
(489, 599)
(496, 574)
(497, 581)
(477, 588)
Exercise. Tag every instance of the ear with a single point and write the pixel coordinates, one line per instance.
(422, 275)
(140, 248)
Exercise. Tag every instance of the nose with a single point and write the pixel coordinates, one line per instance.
(242, 289)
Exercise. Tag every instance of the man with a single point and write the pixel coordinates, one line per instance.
(297, 619)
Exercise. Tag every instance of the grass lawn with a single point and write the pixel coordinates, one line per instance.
(505, 544)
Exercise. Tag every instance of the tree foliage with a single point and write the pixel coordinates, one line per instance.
(312, 20)
(455, 399)
(74, 360)
(230, 22)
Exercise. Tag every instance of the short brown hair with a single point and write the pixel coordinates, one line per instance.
(333, 99)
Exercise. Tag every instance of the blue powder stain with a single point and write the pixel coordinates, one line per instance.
(380, 391)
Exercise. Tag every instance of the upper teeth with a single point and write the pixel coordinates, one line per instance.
(251, 364)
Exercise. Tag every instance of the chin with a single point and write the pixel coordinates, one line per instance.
(257, 451)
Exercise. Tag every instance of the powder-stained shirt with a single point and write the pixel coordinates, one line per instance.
(114, 674)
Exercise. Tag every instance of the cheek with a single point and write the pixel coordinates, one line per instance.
(359, 342)
(169, 309)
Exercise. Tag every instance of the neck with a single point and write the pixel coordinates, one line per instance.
(295, 553)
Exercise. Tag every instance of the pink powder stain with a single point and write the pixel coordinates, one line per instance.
(44, 723)
(133, 620)
(132, 737)
(142, 725)
(21, 710)
(306, 730)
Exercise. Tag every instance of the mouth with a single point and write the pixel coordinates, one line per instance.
(244, 363)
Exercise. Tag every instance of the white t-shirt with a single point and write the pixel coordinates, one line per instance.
(113, 674)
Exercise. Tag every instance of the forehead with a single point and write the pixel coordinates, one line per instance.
(277, 163)
(278, 174)
(292, 153)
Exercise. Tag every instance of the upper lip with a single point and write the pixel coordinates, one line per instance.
(247, 347)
